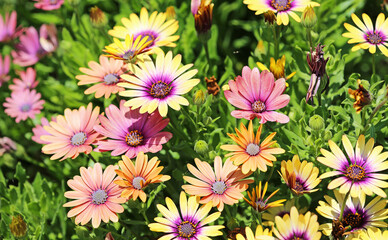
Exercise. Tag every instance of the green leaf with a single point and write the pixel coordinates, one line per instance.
(20, 174)
(47, 18)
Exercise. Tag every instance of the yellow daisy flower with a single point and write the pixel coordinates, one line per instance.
(276, 68)
(262, 234)
(374, 234)
(257, 201)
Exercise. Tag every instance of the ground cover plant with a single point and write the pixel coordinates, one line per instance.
(194, 120)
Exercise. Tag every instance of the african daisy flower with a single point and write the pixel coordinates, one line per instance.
(39, 130)
(356, 214)
(277, 68)
(159, 85)
(48, 5)
(283, 8)
(95, 196)
(27, 81)
(136, 177)
(223, 185)
(72, 133)
(130, 132)
(153, 28)
(8, 30)
(366, 36)
(297, 226)
(300, 177)
(257, 201)
(280, 211)
(249, 151)
(374, 234)
(362, 167)
(258, 95)
(23, 104)
(104, 75)
(190, 223)
(262, 234)
(129, 50)
(4, 69)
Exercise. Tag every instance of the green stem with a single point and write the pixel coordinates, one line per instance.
(207, 53)
(259, 218)
(382, 103)
(91, 157)
(374, 64)
(270, 173)
(276, 41)
(344, 203)
(309, 38)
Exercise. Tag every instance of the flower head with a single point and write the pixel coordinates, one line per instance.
(18, 226)
(97, 17)
(262, 234)
(297, 226)
(105, 75)
(300, 177)
(130, 132)
(159, 85)
(223, 185)
(309, 18)
(280, 211)
(269, 17)
(136, 177)
(190, 223)
(23, 104)
(359, 173)
(361, 95)
(153, 28)
(356, 214)
(4, 69)
(250, 152)
(7, 145)
(170, 13)
(95, 195)
(282, 8)
(212, 85)
(129, 50)
(374, 234)
(257, 201)
(8, 30)
(277, 68)
(72, 133)
(258, 95)
(366, 36)
(28, 80)
(202, 11)
(48, 5)
(39, 130)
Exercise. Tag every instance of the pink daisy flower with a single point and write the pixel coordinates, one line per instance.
(39, 130)
(130, 132)
(27, 81)
(258, 95)
(8, 30)
(96, 196)
(23, 104)
(72, 133)
(48, 5)
(4, 69)
(223, 185)
(105, 76)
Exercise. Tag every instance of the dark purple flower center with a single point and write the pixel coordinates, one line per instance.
(78, 139)
(128, 55)
(252, 149)
(260, 205)
(186, 229)
(353, 219)
(138, 182)
(25, 108)
(53, 2)
(299, 186)
(258, 106)
(281, 5)
(149, 36)
(374, 38)
(111, 79)
(134, 138)
(99, 196)
(160, 89)
(355, 172)
(219, 187)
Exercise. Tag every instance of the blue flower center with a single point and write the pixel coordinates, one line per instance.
(78, 139)
(355, 172)
(25, 108)
(138, 182)
(219, 187)
(374, 38)
(186, 229)
(160, 90)
(281, 5)
(252, 149)
(134, 138)
(111, 79)
(99, 197)
(258, 106)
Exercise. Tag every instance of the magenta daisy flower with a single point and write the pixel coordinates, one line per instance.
(4, 69)
(130, 132)
(39, 130)
(95, 195)
(8, 30)
(23, 104)
(27, 81)
(48, 5)
(258, 95)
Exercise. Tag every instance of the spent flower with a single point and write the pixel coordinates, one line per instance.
(361, 95)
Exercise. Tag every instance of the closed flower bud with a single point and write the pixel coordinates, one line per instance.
(170, 13)
(309, 18)
(199, 97)
(203, 15)
(361, 95)
(97, 17)
(269, 17)
(316, 123)
(328, 135)
(212, 154)
(201, 147)
(18, 226)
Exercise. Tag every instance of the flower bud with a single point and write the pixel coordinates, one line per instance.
(170, 13)
(328, 135)
(309, 18)
(199, 97)
(316, 123)
(212, 154)
(269, 17)
(201, 147)
(203, 19)
(18, 226)
(97, 17)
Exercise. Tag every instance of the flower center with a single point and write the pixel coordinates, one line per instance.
(78, 139)
(281, 5)
(355, 172)
(99, 197)
(252, 149)
(260, 205)
(128, 55)
(160, 89)
(258, 106)
(138, 182)
(186, 229)
(134, 138)
(298, 186)
(149, 37)
(53, 2)
(353, 219)
(111, 79)
(374, 38)
(25, 108)
(219, 187)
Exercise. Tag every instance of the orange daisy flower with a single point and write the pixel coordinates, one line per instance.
(136, 177)
(256, 199)
(249, 152)
(223, 185)
(106, 75)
